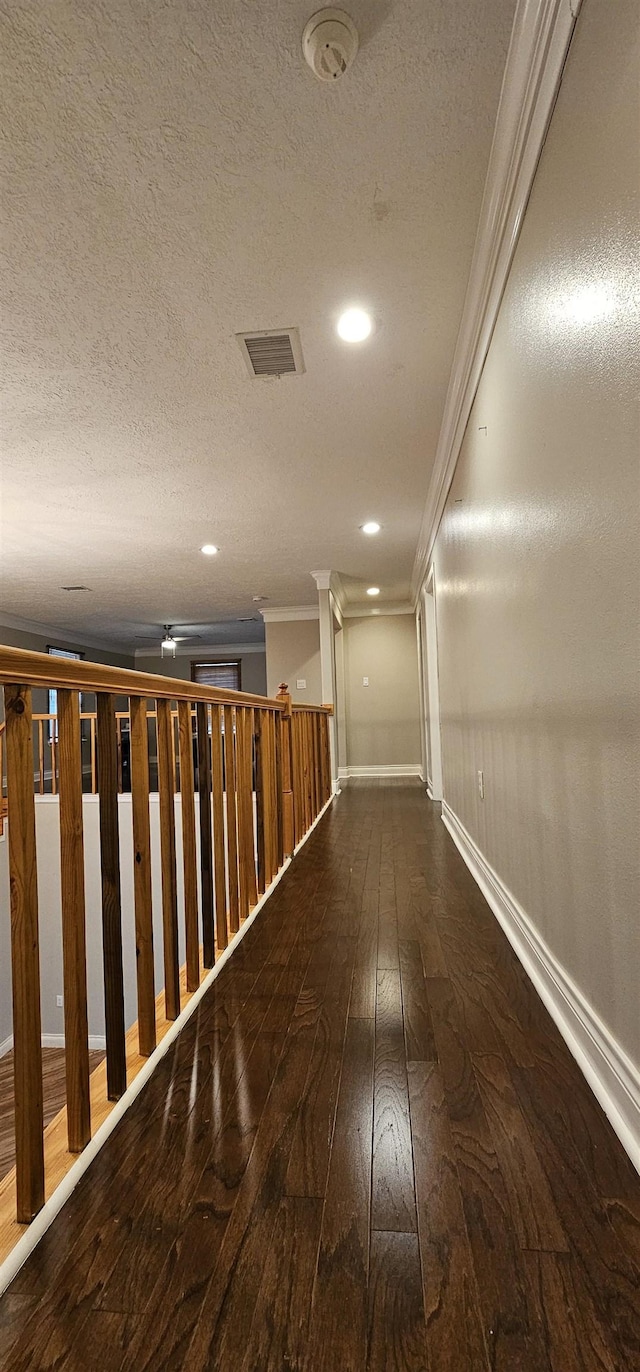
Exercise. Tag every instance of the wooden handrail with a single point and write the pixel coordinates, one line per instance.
(42, 669)
(312, 709)
(261, 771)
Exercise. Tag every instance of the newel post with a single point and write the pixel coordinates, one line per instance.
(287, 790)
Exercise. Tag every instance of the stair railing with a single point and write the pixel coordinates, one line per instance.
(261, 770)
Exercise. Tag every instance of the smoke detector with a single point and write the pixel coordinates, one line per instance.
(329, 44)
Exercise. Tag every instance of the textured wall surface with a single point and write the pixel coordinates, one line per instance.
(382, 718)
(537, 555)
(253, 675)
(293, 654)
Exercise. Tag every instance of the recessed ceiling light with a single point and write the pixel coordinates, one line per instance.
(370, 527)
(209, 549)
(354, 325)
(373, 590)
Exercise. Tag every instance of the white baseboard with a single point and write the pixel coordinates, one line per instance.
(612, 1076)
(97, 1042)
(400, 769)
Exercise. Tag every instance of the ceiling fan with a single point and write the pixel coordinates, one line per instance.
(170, 640)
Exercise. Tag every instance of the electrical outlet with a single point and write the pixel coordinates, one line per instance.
(365, 681)
(59, 1002)
(301, 684)
(481, 785)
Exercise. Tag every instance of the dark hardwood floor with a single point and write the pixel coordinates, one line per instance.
(368, 1151)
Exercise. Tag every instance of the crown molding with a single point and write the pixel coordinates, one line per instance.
(540, 38)
(221, 650)
(322, 580)
(376, 611)
(51, 631)
(280, 615)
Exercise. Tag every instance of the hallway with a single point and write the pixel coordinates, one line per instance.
(369, 1149)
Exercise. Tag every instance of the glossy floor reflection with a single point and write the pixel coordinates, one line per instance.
(369, 1149)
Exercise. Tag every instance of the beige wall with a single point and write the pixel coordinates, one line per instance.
(382, 719)
(293, 654)
(253, 677)
(537, 555)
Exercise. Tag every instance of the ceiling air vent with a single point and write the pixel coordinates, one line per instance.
(276, 352)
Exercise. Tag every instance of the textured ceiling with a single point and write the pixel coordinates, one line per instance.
(174, 174)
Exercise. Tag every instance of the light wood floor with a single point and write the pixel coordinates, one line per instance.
(54, 1097)
(369, 1150)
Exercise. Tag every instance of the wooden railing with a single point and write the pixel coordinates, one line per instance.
(261, 769)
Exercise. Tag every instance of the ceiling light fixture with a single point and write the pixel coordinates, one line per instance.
(370, 527)
(354, 325)
(209, 549)
(168, 645)
(373, 590)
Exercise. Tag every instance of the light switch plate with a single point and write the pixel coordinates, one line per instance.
(301, 684)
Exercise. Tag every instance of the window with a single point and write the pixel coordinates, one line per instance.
(53, 695)
(225, 675)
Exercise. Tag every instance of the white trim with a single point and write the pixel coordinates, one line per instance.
(6, 1046)
(46, 1216)
(399, 769)
(540, 38)
(322, 580)
(364, 611)
(612, 1076)
(288, 612)
(97, 1042)
(51, 631)
(196, 650)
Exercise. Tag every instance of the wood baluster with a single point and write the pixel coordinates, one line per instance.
(314, 766)
(25, 959)
(267, 813)
(74, 950)
(309, 740)
(321, 775)
(41, 756)
(92, 728)
(316, 763)
(206, 840)
(217, 787)
(142, 876)
(260, 745)
(246, 851)
(326, 758)
(286, 764)
(273, 786)
(189, 856)
(305, 764)
(108, 765)
(119, 753)
(277, 728)
(232, 831)
(54, 767)
(295, 778)
(174, 770)
(166, 781)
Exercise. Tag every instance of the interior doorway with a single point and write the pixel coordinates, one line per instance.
(431, 695)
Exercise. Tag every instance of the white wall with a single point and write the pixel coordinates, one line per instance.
(382, 719)
(293, 654)
(537, 555)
